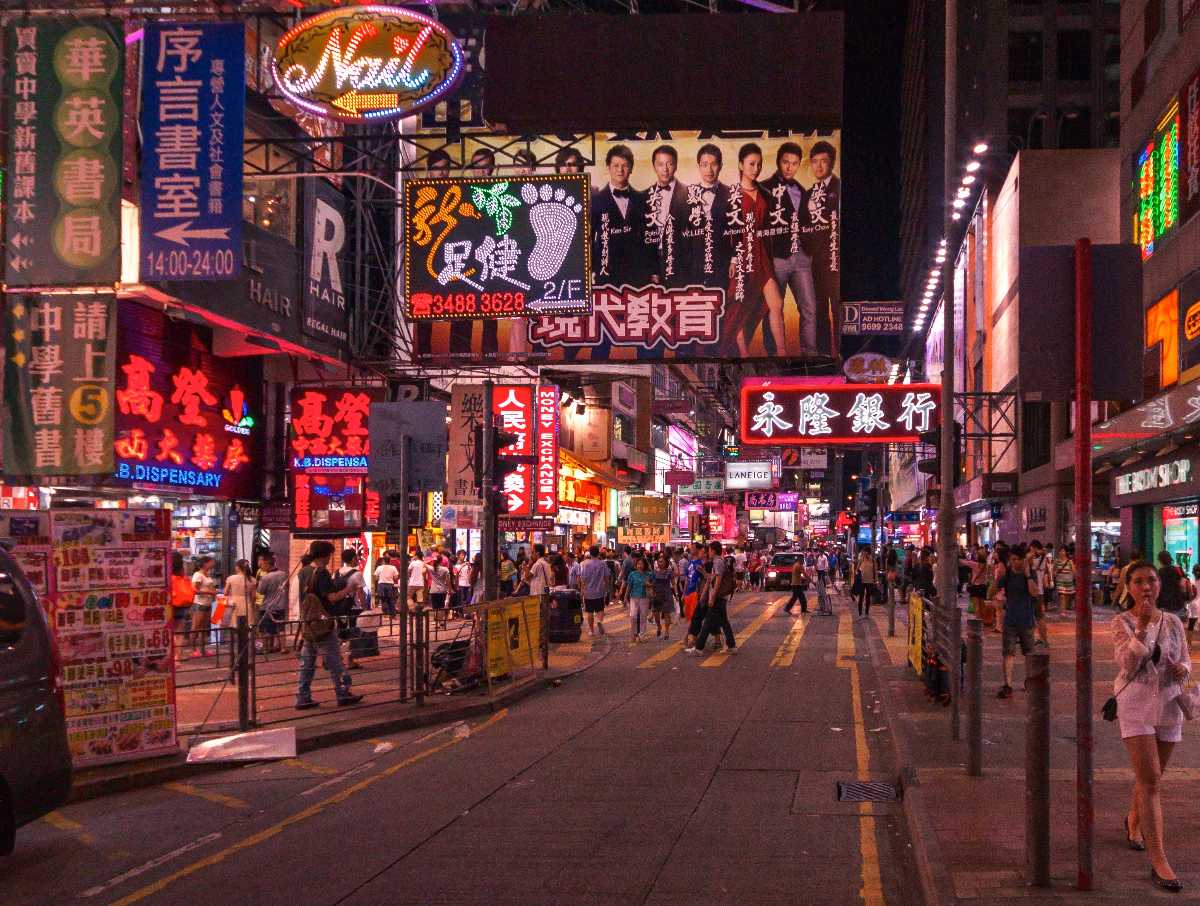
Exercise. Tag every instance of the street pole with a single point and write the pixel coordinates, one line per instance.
(1084, 791)
(404, 659)
(946, 547)
(491, 582)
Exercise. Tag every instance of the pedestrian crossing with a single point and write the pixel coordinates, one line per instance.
(743, 636)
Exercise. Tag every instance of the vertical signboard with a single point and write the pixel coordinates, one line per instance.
(324, 296)
(466, 421)
(193, 99)
(512, 407)
(58, 385)
(1189, 145)
(64, 81)
(423, 422)
(546, 494)
(108, 606)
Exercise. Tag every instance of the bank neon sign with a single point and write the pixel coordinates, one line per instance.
(366, 63)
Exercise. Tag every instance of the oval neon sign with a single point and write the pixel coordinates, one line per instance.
(366, 63)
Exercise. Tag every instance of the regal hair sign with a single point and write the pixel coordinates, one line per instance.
(366, 63)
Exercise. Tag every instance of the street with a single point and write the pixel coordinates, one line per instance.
(651, 778)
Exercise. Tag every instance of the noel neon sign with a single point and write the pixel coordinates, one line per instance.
(366, 63)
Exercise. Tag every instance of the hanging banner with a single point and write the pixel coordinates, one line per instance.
(495, 247)
(64, 85)
(466, 421)
(643, 534)
(656, 510)
(546, 464)
(788, 411)
(58, 385)
(185, 419)
(193, 110)
(325, 314)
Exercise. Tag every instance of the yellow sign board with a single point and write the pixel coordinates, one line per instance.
(916, 628)
(644, 534)
(514, 632)
(649, 510)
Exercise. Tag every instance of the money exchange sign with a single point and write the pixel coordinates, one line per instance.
(497, 247)
(64, 82)
(786, 411)
(193, 100)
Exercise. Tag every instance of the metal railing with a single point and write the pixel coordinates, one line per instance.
(246, 675)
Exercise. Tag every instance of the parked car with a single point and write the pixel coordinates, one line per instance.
(779, 571)
(35, 761)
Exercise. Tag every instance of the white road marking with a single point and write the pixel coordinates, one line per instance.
(149, 866)
(332, 781)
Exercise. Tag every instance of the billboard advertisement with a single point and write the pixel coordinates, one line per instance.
(702, 245)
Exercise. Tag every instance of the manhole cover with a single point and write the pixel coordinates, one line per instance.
(869, 791)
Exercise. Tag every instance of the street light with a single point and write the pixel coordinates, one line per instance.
(980, 148)
(973, 166)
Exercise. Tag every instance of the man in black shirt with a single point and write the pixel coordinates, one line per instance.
(333, 597)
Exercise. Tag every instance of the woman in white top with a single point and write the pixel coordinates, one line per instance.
(239, 595)
(418, 575)
(1151, 651)
(202, 604)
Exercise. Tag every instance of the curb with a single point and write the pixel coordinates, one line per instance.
(175, 767)
(936, 888)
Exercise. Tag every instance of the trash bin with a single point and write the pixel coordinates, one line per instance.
(364, 636)
(566, 616)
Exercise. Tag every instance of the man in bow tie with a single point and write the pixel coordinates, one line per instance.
(620, 254)
(667, 200)
(823, 235)
(787, 218)
(706, 249)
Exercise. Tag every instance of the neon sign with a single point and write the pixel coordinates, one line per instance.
(1156, 183)
(366, 64)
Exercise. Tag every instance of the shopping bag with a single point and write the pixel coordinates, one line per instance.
(689, 604)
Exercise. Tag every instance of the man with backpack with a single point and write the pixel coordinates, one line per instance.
(720, 586)
(321, 601)
(1173, 597)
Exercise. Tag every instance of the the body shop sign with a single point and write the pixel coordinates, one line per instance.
(366, 64)
(1165, 479)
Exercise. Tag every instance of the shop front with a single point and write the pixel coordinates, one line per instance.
(1159, 503)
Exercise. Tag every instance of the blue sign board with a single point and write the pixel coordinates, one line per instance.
(193, 111)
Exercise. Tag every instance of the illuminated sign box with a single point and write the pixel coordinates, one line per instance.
(329, 431)
(740, 476)
(787, 411)
(496, 247)
(366, 64)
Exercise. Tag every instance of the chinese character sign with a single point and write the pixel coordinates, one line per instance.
(330, 428)
(512, 411)
(184, 418)
(686, 261)
(58, 384)
(496, 247)
(193, 100)
(781, 411)
(64, 86)
(761, 500)
(333, 503)
(546, 474)
(466, 425)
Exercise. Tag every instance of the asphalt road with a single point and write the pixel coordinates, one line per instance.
(651, 778)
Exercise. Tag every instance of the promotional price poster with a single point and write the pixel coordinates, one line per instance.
(703, 245)
(107, 596)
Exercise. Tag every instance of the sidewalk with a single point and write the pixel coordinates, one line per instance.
(327, 726)
(968, 833)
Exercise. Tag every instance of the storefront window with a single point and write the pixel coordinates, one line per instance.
(269, 204)
(1181, 532)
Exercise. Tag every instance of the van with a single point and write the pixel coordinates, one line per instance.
(35, 761)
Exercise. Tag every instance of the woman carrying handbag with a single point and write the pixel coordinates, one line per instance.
(1151, 651)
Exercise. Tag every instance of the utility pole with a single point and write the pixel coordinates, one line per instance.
(946, 547)
(491, 582)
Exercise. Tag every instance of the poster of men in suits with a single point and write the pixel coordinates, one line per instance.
(703, 246)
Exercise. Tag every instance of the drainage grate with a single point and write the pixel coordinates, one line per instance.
(870, 791)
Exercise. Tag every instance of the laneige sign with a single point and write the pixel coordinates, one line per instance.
(1166, 478)
(748, 476)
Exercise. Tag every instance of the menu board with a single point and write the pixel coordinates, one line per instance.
(108, 593)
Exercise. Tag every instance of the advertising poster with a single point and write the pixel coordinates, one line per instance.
(325, 316)
(109, 608)
(184, 418)
(58, 385)
(703, 246)
(64, 81)
(193, 109)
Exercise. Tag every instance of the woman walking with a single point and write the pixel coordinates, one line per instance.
(864, 581)
(663, 602)
(637, 590)
(1152, 656)
(204, 587)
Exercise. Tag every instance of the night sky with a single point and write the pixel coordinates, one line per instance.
(871, 138)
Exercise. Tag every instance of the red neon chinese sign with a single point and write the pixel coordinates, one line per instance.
(329, 431)
(512, 407)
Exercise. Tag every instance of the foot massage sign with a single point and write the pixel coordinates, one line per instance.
(497, 247)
